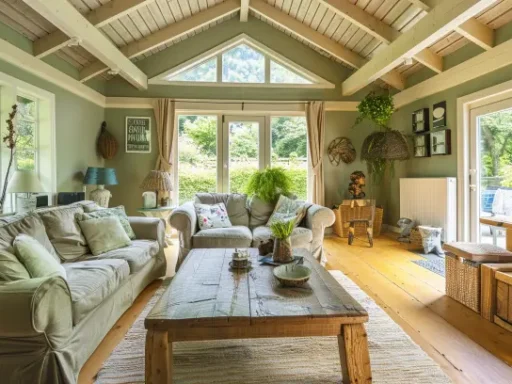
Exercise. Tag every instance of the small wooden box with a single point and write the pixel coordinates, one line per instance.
(503, 315)
(463, 275)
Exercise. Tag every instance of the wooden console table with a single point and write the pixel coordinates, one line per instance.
(500, 222)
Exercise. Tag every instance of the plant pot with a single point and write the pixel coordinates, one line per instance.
(282, 250)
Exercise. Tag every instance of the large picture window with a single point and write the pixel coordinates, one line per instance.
(26, 126)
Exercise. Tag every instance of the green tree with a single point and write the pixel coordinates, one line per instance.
(203, 133)
(496, 141)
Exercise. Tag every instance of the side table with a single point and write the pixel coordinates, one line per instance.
(162, 213)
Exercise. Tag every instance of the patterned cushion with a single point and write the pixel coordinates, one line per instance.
(103, 234)
(36, 259)
(431, 239)
(212, 216)
(116, 211)
(287, 209)
(235, 203)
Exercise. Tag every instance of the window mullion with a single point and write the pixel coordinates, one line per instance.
(267, 70)
(219, 68)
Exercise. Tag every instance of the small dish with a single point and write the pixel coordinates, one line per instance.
(292, 275)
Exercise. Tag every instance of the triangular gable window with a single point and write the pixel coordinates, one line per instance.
(241, 61)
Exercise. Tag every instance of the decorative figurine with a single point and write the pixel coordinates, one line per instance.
(358, 181)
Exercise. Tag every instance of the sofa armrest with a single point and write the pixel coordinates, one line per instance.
(184, 219)
(148, 228)
(34, 307)
(317, 219)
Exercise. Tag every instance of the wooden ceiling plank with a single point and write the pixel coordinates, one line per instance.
(244, 11)
(442, 19)
(99, 17)
(318, 40)
(67, 18)
(169, 33)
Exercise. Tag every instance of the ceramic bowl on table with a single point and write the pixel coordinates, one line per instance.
(292, 275)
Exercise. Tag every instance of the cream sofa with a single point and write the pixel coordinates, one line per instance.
(50, 326)
(248, 217)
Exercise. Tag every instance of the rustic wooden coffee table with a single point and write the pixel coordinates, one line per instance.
(207, 300)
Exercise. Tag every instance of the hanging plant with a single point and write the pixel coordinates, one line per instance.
(383, 147)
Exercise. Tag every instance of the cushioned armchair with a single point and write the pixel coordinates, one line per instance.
(248, 218)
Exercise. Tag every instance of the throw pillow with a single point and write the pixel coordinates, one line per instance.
(11, 269)
(212, 216)
(103, 234)
(431, 239)
(118, 212)
(36, 258)
(287, 209)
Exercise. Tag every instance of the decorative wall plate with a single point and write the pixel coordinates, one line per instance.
(341, 149)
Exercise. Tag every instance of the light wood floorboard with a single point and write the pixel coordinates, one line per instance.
(467, 347)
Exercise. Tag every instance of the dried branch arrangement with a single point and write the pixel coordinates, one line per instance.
(10, 141)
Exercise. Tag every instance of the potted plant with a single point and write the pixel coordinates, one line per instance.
(382, 147)
(268, 184)
(282, 230)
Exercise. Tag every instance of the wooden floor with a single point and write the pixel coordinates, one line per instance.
(468, 348)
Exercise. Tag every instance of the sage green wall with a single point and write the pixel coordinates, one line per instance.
(131, 168)
(77, 124)
(260, 31)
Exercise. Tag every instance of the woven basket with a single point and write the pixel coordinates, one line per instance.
(463, 281)
(107, 143)
(344, 214)
(415, 240)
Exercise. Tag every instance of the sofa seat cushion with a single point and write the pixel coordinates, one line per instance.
(92, 281)
(137, 255)
(232, 237)
(301, 237)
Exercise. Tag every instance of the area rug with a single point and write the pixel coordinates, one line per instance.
(431, 262)
(395, 358)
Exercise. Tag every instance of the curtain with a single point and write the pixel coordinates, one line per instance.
(316, 131)
(167, 135)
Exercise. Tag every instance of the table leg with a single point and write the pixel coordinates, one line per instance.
(354, 355)
(158, 358)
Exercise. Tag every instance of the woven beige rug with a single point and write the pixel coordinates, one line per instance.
(395, 358)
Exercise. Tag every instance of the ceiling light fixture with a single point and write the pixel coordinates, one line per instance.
(75, 42)
(408, 61)
(114, 71)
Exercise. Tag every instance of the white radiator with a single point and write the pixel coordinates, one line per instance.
(431, 201)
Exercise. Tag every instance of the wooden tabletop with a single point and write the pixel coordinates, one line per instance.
(497, 221)
(207, 291)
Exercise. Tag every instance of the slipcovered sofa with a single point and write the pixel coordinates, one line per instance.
(248, 218)
(50, 326)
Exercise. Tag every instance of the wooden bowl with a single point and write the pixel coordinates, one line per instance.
(292, 275)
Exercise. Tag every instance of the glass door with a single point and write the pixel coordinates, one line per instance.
(243, 150)
(490, 170)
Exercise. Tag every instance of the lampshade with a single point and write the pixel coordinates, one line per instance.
(157, 181)
(100, 176)
(25, 182)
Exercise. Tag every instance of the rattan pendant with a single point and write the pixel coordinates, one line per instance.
(107, 143)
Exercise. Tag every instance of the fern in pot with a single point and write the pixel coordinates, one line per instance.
(268, 184)
(282, 231)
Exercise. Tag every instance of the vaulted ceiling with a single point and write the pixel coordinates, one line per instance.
(351, 32)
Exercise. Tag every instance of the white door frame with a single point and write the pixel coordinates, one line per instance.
(465, 105)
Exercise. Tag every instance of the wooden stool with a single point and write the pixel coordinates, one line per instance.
(463, 274)
(352, 233)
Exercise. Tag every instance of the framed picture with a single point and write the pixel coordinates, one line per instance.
(439, 115)
(138, 134)
(422, 145)
(441, 143)
(420, 120)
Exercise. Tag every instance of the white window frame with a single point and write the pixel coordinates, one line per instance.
(317, 82)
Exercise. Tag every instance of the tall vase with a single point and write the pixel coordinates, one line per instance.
(282, 250)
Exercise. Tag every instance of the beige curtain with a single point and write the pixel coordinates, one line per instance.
(316, 131)
(167, 135)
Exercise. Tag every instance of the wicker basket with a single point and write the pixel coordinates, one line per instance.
(345, 213)
(415, 240)
(463, 281)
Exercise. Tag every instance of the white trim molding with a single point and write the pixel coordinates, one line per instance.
(316, 81)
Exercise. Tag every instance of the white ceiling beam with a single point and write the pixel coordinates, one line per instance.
(166, 34)
(317, 39)
(440, 21)
(244, 10)
(98, 17)
(473, 30)
(482, 64)
(380, 30)
(67, 18)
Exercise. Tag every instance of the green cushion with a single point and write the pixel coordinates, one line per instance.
(11, 268)
(103, 234)
(36, 258)
(116, 211)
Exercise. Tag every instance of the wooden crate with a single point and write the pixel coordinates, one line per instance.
(488, 286)
(503, 315)
(345, 213)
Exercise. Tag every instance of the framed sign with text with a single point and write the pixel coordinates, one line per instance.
(138, 134)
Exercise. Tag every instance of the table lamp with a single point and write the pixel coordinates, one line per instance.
(157, 181)
(25, 182)
(100, 177)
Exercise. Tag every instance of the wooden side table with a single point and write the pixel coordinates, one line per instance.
(161, 213)
(500, 222)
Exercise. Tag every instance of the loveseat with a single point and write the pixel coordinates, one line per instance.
(248, 218)
(50, 326)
